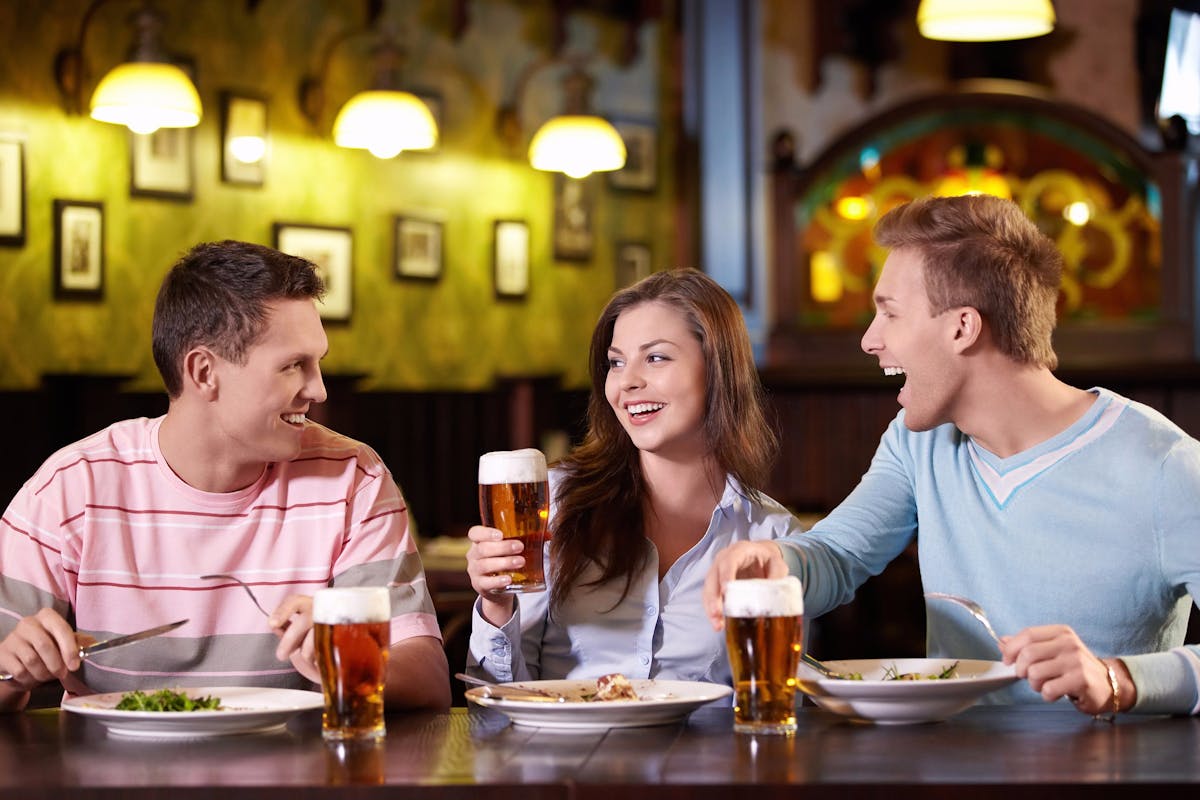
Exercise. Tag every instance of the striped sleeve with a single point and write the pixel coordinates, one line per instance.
(379, 549)
(35, 552)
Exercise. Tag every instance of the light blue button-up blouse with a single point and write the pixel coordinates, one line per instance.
(659, 630)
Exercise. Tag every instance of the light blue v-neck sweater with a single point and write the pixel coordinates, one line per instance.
(1097, 528)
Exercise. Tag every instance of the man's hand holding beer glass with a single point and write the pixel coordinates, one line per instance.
(505, 557)
(739, 560)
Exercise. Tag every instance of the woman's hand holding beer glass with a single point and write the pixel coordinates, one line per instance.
(505, 556)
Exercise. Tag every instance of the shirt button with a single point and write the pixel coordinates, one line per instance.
(645, 660)
(651, 611)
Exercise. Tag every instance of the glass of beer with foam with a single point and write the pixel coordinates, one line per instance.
(514, 497)
(351, 630)
(764, 624)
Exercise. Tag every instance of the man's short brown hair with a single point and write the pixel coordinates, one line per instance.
(983, 252)
(217, 295)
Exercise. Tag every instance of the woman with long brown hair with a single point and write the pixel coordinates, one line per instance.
(670, 472)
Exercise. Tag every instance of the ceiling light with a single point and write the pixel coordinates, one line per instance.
(984, 20)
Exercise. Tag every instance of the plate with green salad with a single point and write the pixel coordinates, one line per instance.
(897, 691)
(193, 712)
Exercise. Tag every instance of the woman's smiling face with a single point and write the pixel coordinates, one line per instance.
(656, 382)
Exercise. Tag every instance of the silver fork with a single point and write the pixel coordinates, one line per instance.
(970, 605)
(239, 582)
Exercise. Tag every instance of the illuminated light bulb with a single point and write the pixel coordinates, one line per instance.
(824, 279)
(1077, 213)
(248, 149)
(853, 208)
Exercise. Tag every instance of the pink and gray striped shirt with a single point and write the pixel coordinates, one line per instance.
(107, 535)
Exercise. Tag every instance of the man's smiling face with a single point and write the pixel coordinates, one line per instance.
(261, 406)
(910, 341)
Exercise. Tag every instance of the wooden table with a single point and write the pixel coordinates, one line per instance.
(984, 752)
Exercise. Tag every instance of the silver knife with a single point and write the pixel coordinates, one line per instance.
(116, 641)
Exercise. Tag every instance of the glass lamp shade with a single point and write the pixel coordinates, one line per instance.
(146, 96)
(984, 20)
(577, 145)
(384, 123)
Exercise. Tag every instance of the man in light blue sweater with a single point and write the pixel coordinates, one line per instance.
(1071, 516)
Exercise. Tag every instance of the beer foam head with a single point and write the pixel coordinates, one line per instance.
(512, 466)
(352, 604)
(763, 597)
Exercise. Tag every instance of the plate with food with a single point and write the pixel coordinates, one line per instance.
(610, 701)
(194, 713)
(897, 691)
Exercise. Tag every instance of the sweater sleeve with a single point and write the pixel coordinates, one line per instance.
(862, 535)
(1169, 683)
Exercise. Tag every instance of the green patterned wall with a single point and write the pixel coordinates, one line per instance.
(409, 335)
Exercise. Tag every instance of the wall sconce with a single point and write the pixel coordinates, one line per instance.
(577, 142)
(382, 120)
(984, 20)
(145, 93)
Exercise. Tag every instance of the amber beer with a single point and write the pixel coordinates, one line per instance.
(764, 623)
(514, 497)
(351, 631)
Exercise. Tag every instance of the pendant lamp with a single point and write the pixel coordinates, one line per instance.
(145, 93)
(577, 143)
(984, 20)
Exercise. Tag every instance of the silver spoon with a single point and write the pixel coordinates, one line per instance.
(239, 582)
(970, 605)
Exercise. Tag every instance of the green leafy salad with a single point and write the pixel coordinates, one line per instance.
(166, 700)
(892, 674)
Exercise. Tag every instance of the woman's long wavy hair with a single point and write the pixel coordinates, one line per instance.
(600, 500)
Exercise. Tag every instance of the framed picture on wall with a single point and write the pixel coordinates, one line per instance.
(12, 192)
(511, 258)
(574, 215)
(331, 249)
(633, 263)
(161, 164)
(78, 249)
(640, 173)
(244, 141)
(418, 248)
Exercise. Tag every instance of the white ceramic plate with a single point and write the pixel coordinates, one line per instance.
(893, 702)
(246, 709)
(662, 702)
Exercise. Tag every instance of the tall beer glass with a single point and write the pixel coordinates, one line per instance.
(764, 623)
(351, 630)
(514, 497)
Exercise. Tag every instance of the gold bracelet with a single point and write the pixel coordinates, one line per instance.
(1116, 695)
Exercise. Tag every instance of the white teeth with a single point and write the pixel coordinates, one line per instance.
(644, 408)
(295, 419)
(893, 370)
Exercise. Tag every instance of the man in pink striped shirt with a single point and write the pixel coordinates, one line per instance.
(112, 534)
